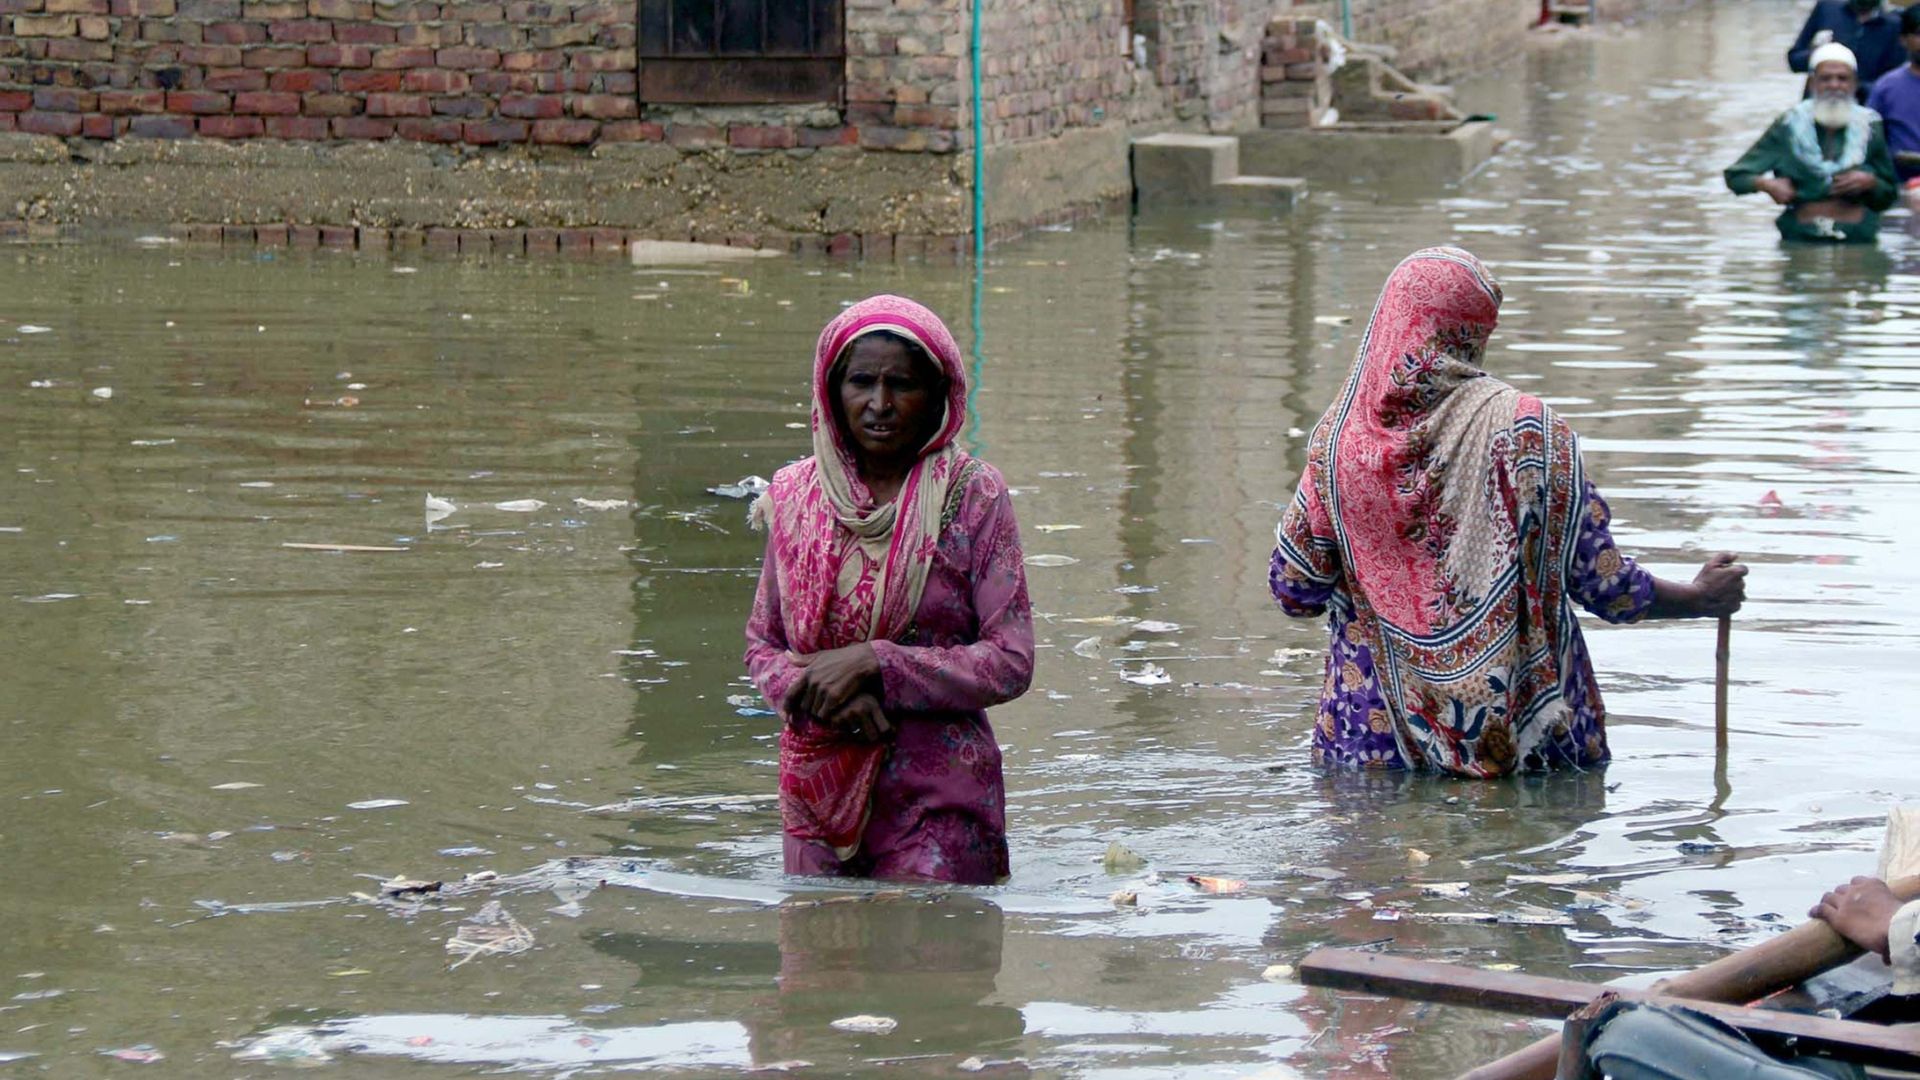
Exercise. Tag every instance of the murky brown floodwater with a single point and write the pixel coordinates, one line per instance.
(1147, 385)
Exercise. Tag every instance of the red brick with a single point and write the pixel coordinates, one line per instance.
(495, 35)
(162, 127)
(398, 105)
(576, 240)
(270, 235)
(436, 81)
(603, 60)
(550, 60)
(341, 56)
(758, 137)
(468, 108)
(60, 99)
(532, 107)
(77, 7)
(302, 31)
(314, 128)
(843, 245)
(560, 82)
(13, 101)
(565, 132)
(835, 136)
(96, 28)
(467, 58)
(407, 11)
(362, 127)
(432, 35)
(371, 82)
(234, 33)
(329, 105)
(301, 81)
(619, 82)
(211, 55)
(347, 33)
(261, 103)
(632, 131)
(500, 82)
(489, 132)
(600, 12)
(45, 25)
(403, 56)
(276, 9)
(604, 107)
(339, 9)
(277, 57)
(696, 136)
(98, 126)
(141, 9)
(232, 127)
(198, 102)
(337, 236)
(438, 129)
(231, 79)
(76, 51)
(131, 101)
(935, 116)
(536, 11)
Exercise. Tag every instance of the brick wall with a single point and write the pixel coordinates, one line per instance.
(544, 71)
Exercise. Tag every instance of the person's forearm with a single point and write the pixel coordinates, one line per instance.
(1674, 600)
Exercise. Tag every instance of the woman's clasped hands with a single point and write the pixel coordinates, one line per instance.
(841, 689)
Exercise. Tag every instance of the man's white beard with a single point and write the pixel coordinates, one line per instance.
(1833, 110)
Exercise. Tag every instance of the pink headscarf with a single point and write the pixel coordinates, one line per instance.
(849, 571)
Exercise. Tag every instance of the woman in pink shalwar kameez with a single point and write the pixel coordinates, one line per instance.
(892, 612)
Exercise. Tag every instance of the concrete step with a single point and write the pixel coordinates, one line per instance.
(1177, 167)
(1261, 191)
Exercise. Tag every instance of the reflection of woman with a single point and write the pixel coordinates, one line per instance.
(892, 611)
(1446, 526)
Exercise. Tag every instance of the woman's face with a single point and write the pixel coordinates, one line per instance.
(889, 400)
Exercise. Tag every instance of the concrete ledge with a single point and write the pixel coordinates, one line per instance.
(1386, 153)
(1182, 168)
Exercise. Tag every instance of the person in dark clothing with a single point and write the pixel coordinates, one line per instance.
(1865, 26)
(1896, 97)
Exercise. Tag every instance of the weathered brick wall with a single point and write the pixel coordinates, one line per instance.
(1051, 66)
(1433, 39)
(907, 74)
(1203, 60)
(546, 71)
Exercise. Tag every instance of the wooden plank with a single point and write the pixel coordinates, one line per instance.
(1534, 995)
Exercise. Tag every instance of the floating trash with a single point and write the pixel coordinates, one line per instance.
(376, 804)
(1051, 560)
(235, 785)
(520, 506)
(602, 504)
(1087, 647)
(1224, 886)
(29, 328)
(1154, 626)
(467, 851)
(102, 392)
(286, 1046)
(1150, 675)
(491, 931)
(748, 487)
(1121, 859)
(139, 1055)
(865, 1024)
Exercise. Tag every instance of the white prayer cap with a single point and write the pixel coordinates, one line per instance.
(1829, 53)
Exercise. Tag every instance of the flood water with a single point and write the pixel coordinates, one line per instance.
(193, 709)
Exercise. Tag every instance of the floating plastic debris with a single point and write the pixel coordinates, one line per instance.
(139, 1055)
(235, 785)
(491, 931)
(748, 487)
(465, 852)
(1150, 675)
(1277, 973)
(102, 392)
(350, 549)
(602, 504)
(865, 1024)
(1154, 626)
(1124, 898)
(1087, 647)
(29, 328)
(1051, 560)
(1057, 528)
(1121, 859)
(1416, 857)
(520, 506)
(376, 804)
(286, 1046)
(1216, 884)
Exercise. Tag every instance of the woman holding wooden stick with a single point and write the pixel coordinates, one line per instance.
(1446, 527)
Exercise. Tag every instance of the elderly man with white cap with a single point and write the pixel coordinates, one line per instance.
(1825, 160)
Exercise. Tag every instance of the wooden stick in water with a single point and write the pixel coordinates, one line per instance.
(1720, 655)
(1748, 975)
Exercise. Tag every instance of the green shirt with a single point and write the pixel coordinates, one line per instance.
(1774, 154)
